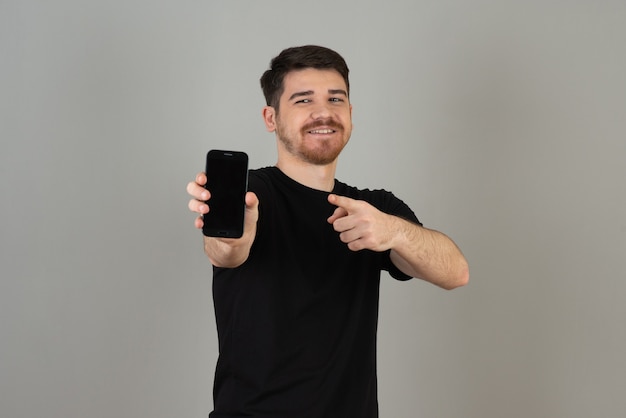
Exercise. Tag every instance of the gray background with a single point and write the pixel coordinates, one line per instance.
(502, 123)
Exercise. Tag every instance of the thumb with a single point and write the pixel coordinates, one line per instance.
(252, 201)
(338, 213)
(252, 208)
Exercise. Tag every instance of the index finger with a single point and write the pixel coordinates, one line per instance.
(196, 188)
(341, 201)
(201, 178)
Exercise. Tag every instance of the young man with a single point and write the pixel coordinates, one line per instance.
(296, 297)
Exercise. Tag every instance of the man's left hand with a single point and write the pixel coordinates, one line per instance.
(360, 225)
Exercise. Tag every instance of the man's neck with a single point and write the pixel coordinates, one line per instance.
(319, 177)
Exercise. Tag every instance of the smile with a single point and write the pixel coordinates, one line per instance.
(322, 131)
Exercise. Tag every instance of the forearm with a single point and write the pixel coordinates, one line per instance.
(227, 253)
(428, 255)
(416, 251)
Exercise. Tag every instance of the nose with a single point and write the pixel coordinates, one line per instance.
(321, 111)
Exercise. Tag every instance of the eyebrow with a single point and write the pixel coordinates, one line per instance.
(338, 91)
(311, 92)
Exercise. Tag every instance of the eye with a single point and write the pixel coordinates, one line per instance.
(335, 99)
(304, 101)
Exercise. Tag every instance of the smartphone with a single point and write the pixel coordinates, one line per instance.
(227, 181)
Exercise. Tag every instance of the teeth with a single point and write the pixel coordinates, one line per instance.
(322, 131)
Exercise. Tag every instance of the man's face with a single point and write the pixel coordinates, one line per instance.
(314, 122)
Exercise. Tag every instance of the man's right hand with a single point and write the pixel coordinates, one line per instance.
(223, 252)
(200, 195)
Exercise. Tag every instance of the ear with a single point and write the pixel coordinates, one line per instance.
(269, 117)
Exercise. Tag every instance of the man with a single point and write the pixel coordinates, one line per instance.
(296, 297)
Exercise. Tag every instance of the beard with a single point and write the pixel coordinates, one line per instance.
(314, 151)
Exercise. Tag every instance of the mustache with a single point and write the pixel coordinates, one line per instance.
(328, 123)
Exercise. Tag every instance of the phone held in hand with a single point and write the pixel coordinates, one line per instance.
(227, 181)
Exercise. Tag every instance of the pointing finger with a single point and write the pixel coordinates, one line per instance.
(342, 201)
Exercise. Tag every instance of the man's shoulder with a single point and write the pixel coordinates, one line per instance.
(366, 194)
(260, 178)
(263, 172)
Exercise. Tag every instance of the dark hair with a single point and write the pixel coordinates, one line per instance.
(299, 58)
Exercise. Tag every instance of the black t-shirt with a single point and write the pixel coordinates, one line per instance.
(297, 321)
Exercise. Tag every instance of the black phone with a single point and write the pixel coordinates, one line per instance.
(227, 181)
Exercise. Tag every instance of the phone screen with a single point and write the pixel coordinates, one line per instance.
(227, 181)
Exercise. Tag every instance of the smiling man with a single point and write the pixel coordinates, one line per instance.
(296, 297)
(315, 120)
(313, 125)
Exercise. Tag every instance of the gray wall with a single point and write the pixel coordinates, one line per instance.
(502, 123)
